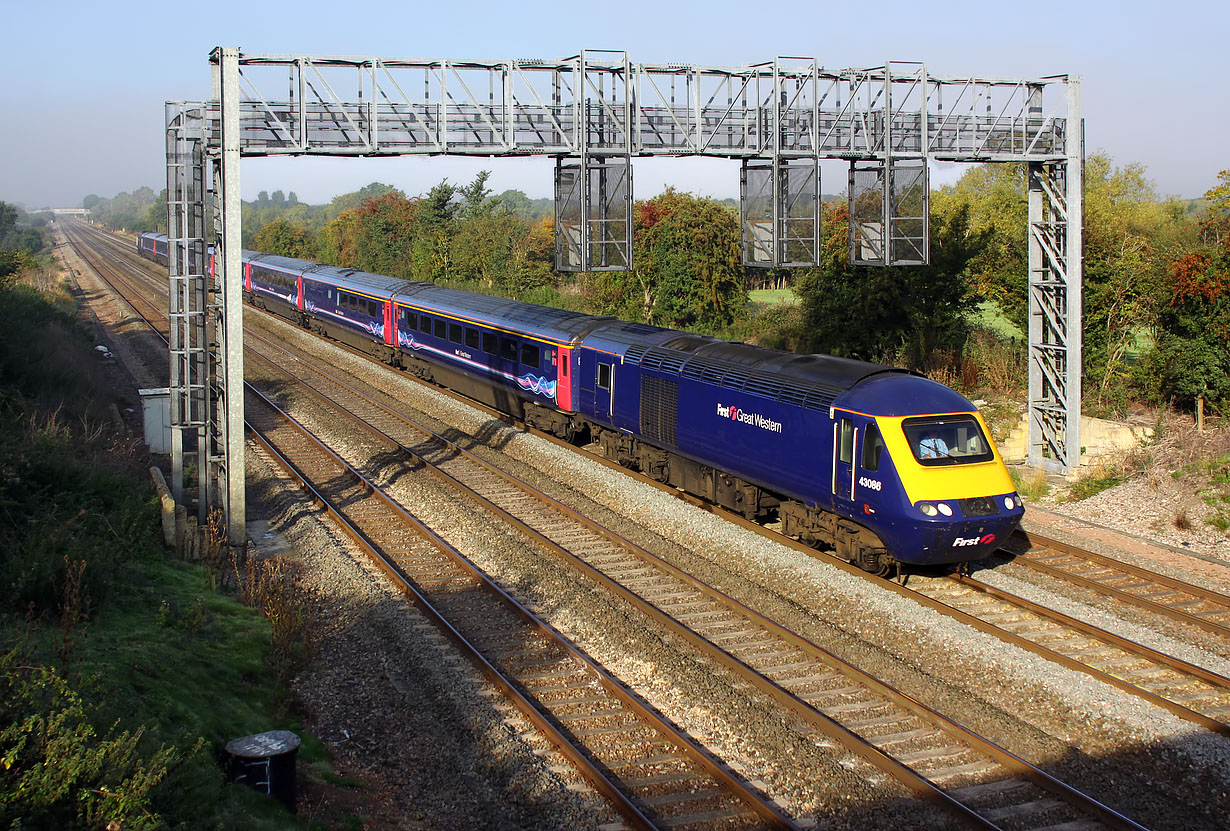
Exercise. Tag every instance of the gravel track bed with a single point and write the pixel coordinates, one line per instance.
(394, 703)
(1150, 506)
(1103, 741)
(1099, 740)
(736, 726)
(139, 351)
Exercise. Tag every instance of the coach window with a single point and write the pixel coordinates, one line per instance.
(508, 349)
(489, 342)
(440, 326)
(847, 441)
(454, 333)
(408, 321)
(529, 354)
(604, 377)
(873, 448)
(471, 338)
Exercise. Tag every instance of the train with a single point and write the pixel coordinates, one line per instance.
(884, 466)
(153, 246)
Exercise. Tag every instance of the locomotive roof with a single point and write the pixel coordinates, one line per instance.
(898, 395)
(813, 381)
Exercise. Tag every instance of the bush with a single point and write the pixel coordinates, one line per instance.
(58, 772)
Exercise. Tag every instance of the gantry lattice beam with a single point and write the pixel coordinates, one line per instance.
(593, 112)
(600, 103)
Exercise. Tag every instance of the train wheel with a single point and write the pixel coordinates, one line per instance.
(873, 560)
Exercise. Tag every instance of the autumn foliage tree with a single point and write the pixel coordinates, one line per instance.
(687, 271)
(1192, 357)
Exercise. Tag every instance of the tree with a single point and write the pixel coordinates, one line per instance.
(688, 263)
(387, 232)
(1130, 238)
(286, 238)
(1192, 357)
(915, 314)
(996, 196)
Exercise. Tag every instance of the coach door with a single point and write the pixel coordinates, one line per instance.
(845, 437)
(857, 449)
(604, 387)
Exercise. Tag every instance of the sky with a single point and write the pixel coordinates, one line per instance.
(84, 84)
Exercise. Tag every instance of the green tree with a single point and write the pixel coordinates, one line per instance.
(687, 271)
(689, 261)
(286, 238)
(1131, 237)
(997, 201)
(913, 314)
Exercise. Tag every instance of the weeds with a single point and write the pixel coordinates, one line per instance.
(1094, 482)
(58, 772)
(1030, 484)
(72, 608)
(269, 587)
(1182, 521)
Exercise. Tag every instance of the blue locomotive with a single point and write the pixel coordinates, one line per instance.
(881, 464)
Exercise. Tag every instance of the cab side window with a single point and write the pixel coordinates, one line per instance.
(873, 448)
(846, 447)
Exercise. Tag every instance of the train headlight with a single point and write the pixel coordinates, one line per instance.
(928, 509)
(1009, 502)
(944, 509)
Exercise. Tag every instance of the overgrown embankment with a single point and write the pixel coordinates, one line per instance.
(122, 672)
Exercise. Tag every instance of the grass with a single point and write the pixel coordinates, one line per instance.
(137, 671)
(1094, 482)
(772, 297)
(1217, 495)
(988, 316)
(1030, 483)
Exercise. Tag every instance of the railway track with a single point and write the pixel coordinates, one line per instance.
(844, 707)
(652, 773)
(984, 801)
(1164, 596)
